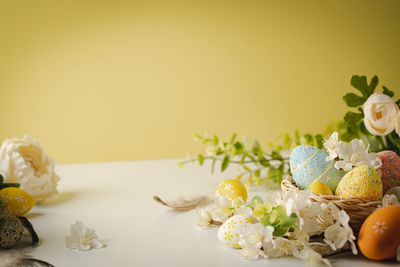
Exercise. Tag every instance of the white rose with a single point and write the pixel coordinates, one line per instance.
(398, 123)
(380, 114)
(24, 161)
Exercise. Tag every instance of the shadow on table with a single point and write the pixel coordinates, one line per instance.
(59, 198)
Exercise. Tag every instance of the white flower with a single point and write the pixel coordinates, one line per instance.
(204, 219)
(397, 123)
(296, 200)
(338, 234)
(274, 197)
(329, 214)
(355, 154)
(82, 238)
(281, 247)
(211, 150)
(380, 114)
(330, 145)
(312, 256)
(24, 161)
(254, 235)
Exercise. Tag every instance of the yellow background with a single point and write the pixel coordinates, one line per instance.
(124, 80)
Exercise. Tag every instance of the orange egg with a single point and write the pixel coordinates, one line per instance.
(379, 235)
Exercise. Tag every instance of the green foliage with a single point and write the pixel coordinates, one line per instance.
(4, 185)
(274, 216)
(268, 164)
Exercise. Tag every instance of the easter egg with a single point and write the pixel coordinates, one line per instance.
(15, 201)
(228, 233)
(308, 164)
(390, 169)
(320, 188)
(362, 181)
(231, 188)
(11, 230)
(394, 191)
(379, 235)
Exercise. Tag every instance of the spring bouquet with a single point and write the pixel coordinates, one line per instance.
(340, 190)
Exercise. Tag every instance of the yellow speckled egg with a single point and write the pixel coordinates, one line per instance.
(228, 233)
(320, 188)
(232, 188)
(15, 201)
(363, 182)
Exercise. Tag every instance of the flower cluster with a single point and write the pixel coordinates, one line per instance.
(304, 221)
(350, 154)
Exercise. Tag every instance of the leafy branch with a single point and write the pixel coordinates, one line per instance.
(258, 165)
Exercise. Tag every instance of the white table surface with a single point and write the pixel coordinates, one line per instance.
(116, 200)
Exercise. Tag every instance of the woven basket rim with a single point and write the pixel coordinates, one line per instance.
(288, 183)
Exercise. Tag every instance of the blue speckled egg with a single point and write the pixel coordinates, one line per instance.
(308, 164)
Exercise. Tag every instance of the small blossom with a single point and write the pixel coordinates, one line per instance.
(82, 238)
(314, 257)
(330, 145)
(355, 154)
(211, 150)
(281, 247)
(253, 235)
(204, 219)
(338, 234)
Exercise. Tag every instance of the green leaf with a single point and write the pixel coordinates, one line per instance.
(200, 158)
(238, 145)
(353, 100)
(1, 179)
(256, 147)
(360, 83)
(256, 200)
(398, 102)
(246, 168)
(4, 185)
(225, 163)
(319, 141)
(215, 140)
(257, 173)
(265, 219)
(388, 92)
(280, 231)
(243, 158)
(309, 139)
(245, 143)
(352, 118)
(233, 138)
(289, 221)
(372, 85)
(297, 137)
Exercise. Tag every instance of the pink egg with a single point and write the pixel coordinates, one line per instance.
(390, 169)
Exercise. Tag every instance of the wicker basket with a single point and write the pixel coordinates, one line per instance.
(358, 209)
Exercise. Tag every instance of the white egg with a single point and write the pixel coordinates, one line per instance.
(228, 233)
